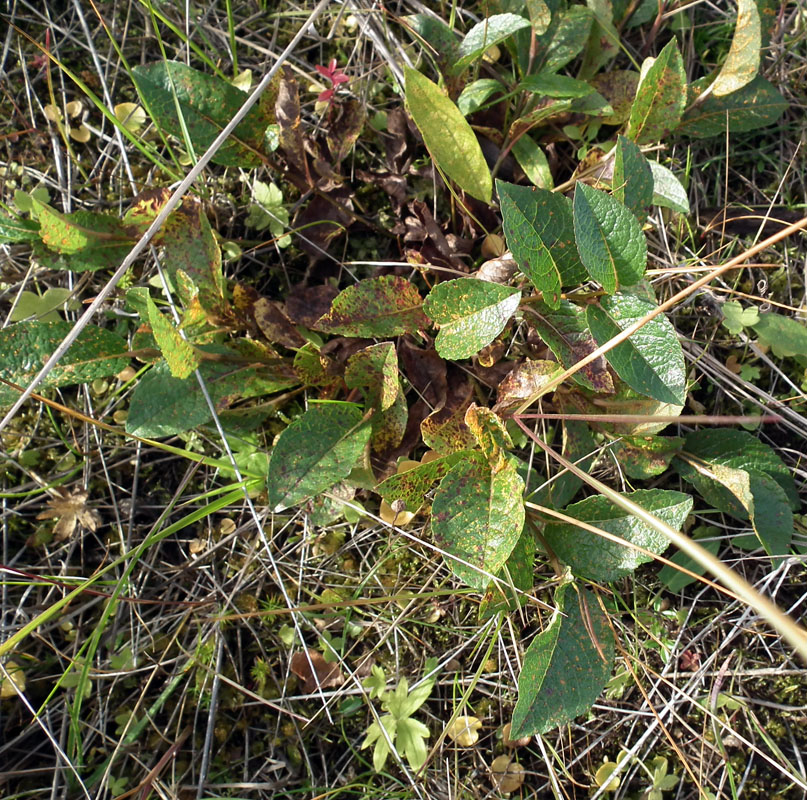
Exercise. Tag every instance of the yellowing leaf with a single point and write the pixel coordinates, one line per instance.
(131, 116)
(13, 682)
(448, 137)
(464, 731)
(742, 62)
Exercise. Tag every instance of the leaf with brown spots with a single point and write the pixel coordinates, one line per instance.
(757, 105)
(566, 665)
(317, 450)
(26, 346)
(375, 370)
(83, 241)
(207, 103)
(385, 306)
(524, 384)
(412, 485)
(274, 324)
(618, 87)
(444, 430)
(477, 517)
(566, 334)
(660, 97)
(471, 314)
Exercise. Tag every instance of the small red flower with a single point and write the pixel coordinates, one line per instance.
(334, 75)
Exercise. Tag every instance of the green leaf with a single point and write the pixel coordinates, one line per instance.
(633, 178)
(738, 474)
(566, 333)
(442, 41)
(411, 741)
(179, 353)
(564, 40)
(485, 34)
(735, 317)
(162, 405)
(375, 369)
(448, 137)
(566, 666)
(651, 360)
(317, 450)
(742, 62)
(207, 104)
(660, 97)
(668, 192)
(385, 306)
(411, 485)
(532, 159)
(591, 556)
(610, 241)
(539, 228)
(741, 450)
(477, 516)
(83, 241)
(475, 94)
(755, 106)
(190, 247)
(471, 313)
(516, 578)
(26, 346)
(550, 85)
(44, 307)
(674, 579)
(17, 230)
(784, 335)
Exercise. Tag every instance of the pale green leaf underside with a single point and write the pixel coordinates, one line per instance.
(448, 137)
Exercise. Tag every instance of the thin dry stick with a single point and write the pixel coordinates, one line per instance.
(676, 298)
(172, 203)
(789, 630)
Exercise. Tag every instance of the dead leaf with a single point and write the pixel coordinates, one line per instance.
(306, 304)
(287, 111)
(506, 774)
(323, 676)
(71, 511)
(275, 325)
(524, 383)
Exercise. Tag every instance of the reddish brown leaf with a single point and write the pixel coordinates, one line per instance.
(275, 325)
(287, 112)
(306, 304)
(345, 129)
(323, 675)
(524, 383)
